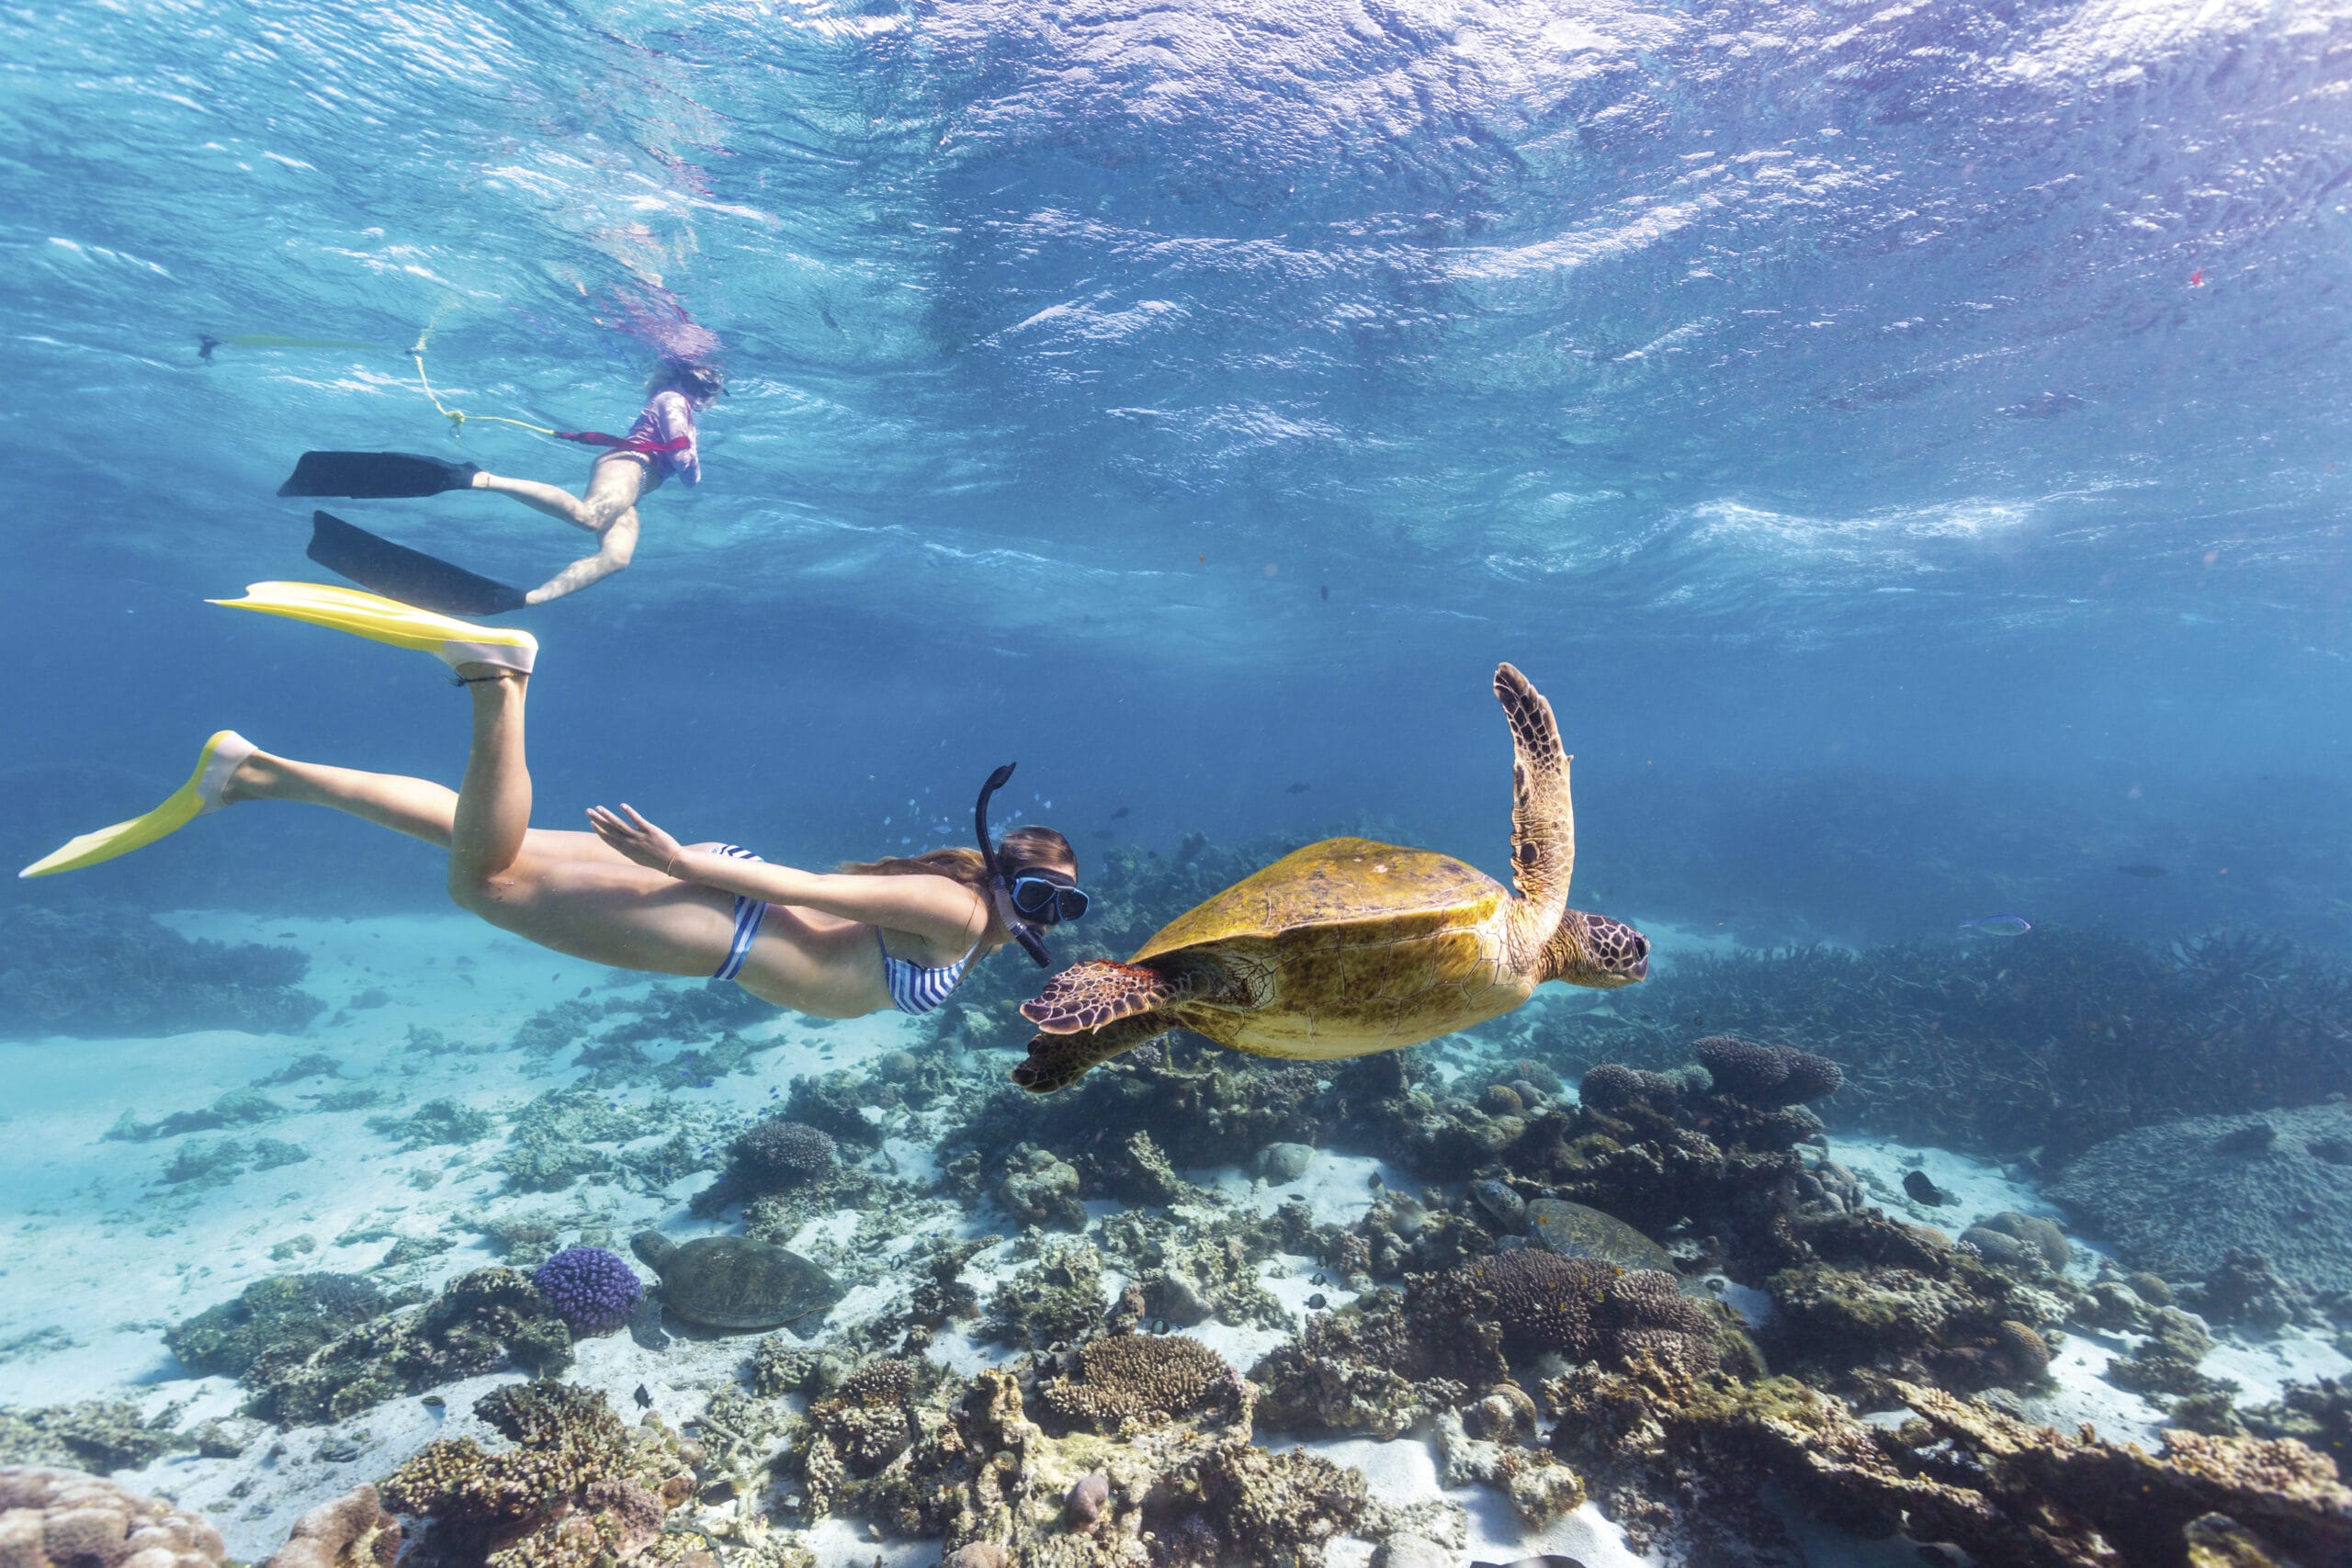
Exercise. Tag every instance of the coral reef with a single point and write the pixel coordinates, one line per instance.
(286, 1314)
(1038, 1189)
(105, 972)
(592, 1289)
(351, 1531)
(1057, 1301)
(434, 1122)
(779, 1153)
(481, 1322)
(576, 1489)
(63, 1519)
(1683, 1460)
(2054, 1045)
(2172, 1199)
(235, 1108)
(101, 1433)
(1767, 1076)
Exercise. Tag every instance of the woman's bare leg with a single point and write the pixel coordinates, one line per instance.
(494, 802)
(564, 891)
(613, 486)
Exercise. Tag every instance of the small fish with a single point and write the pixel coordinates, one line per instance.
(2197, 278)
(1325, 591)
(1298, 789)
(433, 1401)
(2145, 869)
(1998, 925)
(1923, 1190)
(644, 1397)
(1318, 1301)
(1123, 812)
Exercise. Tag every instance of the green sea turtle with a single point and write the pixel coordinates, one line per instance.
(1346, 946)
(1577, 1230)
(732, 1282)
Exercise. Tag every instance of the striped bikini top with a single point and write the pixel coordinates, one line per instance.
(916, 989)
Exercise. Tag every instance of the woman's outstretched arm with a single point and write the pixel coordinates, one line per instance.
(939, 909)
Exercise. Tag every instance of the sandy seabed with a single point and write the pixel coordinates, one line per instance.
(99, 1255)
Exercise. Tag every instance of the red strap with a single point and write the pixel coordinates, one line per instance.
(626, 443)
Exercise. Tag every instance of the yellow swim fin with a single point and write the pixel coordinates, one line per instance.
(191, 800)
(452, 641)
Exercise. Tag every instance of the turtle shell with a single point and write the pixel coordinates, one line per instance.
(1335, 885)
(732, 1282)
(1577, 1230)
(1364, 947)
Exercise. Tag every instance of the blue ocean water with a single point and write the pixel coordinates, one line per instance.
(1906, 443)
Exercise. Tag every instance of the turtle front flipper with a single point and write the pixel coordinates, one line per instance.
(1089, 995)
(1542, 817)
(1056, 1061)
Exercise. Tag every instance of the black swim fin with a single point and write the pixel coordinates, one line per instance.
(411, 576)
(376, 476)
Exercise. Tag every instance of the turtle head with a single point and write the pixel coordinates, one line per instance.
(1593, 950)
(652, 1248)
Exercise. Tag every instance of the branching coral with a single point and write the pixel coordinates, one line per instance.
(592, 1289)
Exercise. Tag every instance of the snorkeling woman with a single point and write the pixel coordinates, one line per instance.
(901, 931)
(661, 445)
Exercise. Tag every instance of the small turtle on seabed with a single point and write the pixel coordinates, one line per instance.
(1348, 947)
(734, 1282)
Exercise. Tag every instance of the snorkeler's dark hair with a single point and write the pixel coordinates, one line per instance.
(705, 381)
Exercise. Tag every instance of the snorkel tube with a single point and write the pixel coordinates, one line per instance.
(1001, 885)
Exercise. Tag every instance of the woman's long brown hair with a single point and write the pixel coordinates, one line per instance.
(1020, 848)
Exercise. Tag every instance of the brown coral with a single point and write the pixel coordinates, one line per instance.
(1612, 1087)
(1126, 1378)
(1583, 1308)
(1769, 1076)
(65, 1518)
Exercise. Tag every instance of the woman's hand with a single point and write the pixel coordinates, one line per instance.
(635, 837)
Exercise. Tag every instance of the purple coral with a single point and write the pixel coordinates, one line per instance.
(1768, 1076)
(782, 1152)
(590, 1289)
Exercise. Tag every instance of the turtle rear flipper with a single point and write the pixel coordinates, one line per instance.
(1056, 1061)
(1543, 814)
(1089, 995)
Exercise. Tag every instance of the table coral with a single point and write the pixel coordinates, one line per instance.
(64, 1518)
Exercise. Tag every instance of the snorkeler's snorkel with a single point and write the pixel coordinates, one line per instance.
(1001, 885)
